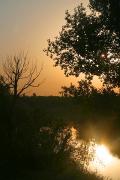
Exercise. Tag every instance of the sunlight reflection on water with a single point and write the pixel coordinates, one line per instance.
(105, 163)
(101, 161)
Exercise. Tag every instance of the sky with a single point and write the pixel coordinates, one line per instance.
(25, 25)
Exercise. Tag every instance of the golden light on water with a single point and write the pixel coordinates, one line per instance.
(73, 133)
(103, 155)
(96, 157)
(103, 55)
(104, 163)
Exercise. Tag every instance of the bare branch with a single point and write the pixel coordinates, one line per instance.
(20, 74)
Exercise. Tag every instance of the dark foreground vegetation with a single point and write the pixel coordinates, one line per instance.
(35, 133)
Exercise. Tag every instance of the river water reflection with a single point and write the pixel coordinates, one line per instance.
(104, 163)
(100, 159)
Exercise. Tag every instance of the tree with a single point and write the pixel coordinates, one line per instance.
(69, 91)
(4, 88)
(84, 89)
(19, 74)
(109, 11)
(86, 45)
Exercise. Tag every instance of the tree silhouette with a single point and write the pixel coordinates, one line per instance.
(69, 91)
(4, 88)
(109, 11)
(84, 89)
(19, 74)
(87, 45)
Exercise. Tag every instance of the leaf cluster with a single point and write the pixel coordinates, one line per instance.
(87, 44)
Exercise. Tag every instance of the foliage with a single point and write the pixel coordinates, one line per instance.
(68, 91)
(41, 139)
(109, 11)
(87, 45)
(84, 89)
(4, 88)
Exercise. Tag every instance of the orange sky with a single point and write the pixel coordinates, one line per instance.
(26, 25)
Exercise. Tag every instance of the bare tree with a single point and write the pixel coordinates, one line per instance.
(19, 73)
